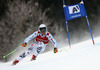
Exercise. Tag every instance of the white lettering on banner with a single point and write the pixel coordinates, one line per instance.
(42, 40)
(74, 9)
(76, 16)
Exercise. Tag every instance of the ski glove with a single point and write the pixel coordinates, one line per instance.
(24, 44)
(55, 50)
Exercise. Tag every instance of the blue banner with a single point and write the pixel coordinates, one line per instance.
(74, 11)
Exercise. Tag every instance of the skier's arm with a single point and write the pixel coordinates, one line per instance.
(50, 37)
(31, 37)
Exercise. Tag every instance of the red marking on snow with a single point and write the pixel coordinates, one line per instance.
(70, 46)
(51, 39)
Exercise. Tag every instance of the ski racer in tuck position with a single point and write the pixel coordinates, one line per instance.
(42, 37)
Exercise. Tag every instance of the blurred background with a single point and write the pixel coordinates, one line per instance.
(20, 18)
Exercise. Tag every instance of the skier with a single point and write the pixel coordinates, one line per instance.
(42, 38)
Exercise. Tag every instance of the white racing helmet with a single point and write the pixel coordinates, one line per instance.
(43, 28)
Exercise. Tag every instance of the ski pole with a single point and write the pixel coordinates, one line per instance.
(11, 52)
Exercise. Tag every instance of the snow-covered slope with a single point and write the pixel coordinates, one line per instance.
(82, 56)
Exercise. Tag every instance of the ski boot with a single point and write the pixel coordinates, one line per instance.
(15, 62)
(33, 58)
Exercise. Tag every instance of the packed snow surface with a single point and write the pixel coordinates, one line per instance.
(81, 56)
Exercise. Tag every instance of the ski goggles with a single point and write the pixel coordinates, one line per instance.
(43, 29)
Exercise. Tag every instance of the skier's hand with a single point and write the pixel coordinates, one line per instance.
(55, 50)
(24, 44)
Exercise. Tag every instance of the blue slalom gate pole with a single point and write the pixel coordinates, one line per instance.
(90, 30)
(66, 23)
(89, 27)
(68, 34)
